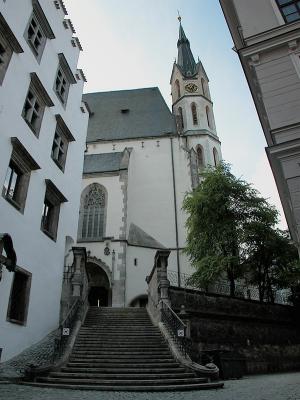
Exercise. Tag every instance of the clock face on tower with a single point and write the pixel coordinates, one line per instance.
(191, 87)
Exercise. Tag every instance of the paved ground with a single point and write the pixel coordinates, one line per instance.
(262, 387)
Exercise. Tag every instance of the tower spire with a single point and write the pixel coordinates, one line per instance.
(185, 59)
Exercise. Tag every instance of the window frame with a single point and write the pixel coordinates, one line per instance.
(85, 216)
(40, 97)
(66, 76)
(25, 300)
(194, 113)
(10, 45)
(289, 3)
(22, 162)
(53, 199)
(41, 25)
(65, 136)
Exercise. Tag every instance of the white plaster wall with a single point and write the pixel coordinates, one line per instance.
(36, 252)
(257, 16)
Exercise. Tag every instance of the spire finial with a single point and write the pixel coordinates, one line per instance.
(179, 16)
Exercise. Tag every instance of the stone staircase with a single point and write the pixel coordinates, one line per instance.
(119, 349)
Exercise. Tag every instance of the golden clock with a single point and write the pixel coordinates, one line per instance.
(191, 87)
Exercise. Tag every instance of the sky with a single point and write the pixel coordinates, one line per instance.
(129, 44)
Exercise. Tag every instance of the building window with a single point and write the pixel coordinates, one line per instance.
(290, 9)
(64, 77)
(38, 30)
(36, 101)
(216, 156)
(8, 45)
(200, 156)
(208, 118)
(61, 140)
(180, 120)
(194, 113)
(19, 297)
(92, 212)
(51, 209)
(177, 85)
(17, 175)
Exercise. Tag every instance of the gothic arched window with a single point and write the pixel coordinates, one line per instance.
(92, 212)
(194, 113)
(208, 116)
(216, 156)
(177, 88)
(181, 124)
(203, 84)
(200, 156)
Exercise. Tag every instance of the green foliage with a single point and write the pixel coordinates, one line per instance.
(231, 232)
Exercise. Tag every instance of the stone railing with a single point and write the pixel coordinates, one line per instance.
(175, 330)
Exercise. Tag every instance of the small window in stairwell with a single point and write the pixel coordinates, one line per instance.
(194, 113)
(216, 156)
(200, 157)
(290, 9)
(180, 120)
(177, 85)
(19, 297)
(135, 262)
(208, 117)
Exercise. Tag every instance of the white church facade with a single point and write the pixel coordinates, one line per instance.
(140, 161)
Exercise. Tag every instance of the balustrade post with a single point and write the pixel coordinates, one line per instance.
(161, 262)
(78, 276)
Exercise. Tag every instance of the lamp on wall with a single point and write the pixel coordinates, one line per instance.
(106, 249)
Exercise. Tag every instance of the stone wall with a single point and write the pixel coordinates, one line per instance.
(266, 335)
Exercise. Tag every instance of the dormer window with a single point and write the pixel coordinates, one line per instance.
(125, 111)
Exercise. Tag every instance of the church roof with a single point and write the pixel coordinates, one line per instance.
(105, 162)
(128, 114)
(185, 59)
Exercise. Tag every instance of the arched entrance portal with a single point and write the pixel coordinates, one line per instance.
(99, 286)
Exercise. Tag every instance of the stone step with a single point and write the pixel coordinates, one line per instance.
(119, 335)
(121, 346)
(124, 364)
(129, 343)
(120, 376)
(121, 382)
(143, 388)
(123, 357)
(128, 370)
(114, 353)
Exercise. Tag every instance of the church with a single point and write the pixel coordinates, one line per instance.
(139, 162)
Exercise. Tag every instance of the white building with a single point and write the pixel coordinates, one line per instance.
(266, 35)
(42, 142)
(140, 162)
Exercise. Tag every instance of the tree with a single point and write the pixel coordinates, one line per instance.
(227, 219)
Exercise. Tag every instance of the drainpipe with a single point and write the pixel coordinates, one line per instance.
(175, 214)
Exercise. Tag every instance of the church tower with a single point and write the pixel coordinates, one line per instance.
(192, 105)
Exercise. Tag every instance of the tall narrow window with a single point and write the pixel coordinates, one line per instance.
(19, 297)
(200, 157)
(92, 211)
(203, 87)
(61, 140)
(177, 88)
(180, 119)
(290, 9)
(216, 156)
(194, 113)
(208, 116)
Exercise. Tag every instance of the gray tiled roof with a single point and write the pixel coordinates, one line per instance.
(148, 115)
(105, 162)
(138, 237)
